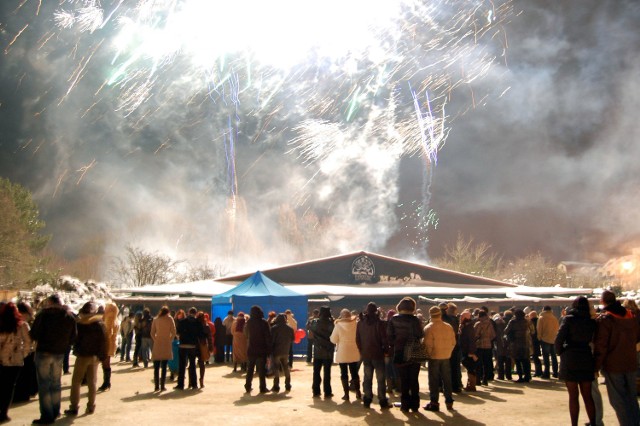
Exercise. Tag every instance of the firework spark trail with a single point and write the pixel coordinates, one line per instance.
(6, 50)
(84, 169)
(433, 134)
(149, 57)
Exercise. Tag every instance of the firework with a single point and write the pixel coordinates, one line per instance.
(336, 85)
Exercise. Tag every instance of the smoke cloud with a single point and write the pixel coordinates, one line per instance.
(540, 156)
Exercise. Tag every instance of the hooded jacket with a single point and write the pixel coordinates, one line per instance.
(401, 328)
(518, 334)
(281, 335)
(344, 337)
(617, 333)
(322, 328)
(371, 337)
(92, 337)
(258, 334)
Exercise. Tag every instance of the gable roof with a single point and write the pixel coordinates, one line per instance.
(369, 268)
(258, 285)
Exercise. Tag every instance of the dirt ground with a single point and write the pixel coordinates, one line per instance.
(131, 400)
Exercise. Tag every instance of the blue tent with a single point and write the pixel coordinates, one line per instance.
(260, 290)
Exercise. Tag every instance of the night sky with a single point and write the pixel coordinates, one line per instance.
(540, 156)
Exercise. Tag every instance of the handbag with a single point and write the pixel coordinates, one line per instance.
(414, 351)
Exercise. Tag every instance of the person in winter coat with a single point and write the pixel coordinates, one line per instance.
(503, 358)
(393, 381)
(439, 341)
(219, 340)
(15, 345)
(402, 328)
(54, 330)
(518, 335)
(282, 337)
(532, 316)
(293, 323)
(577, 364)
(163, 332)
(313, 317)
(190, 331)
(485, 334)
(617, 333)
(144, 330)
(323, 351)
(547, 328)
(229, 348)
(347, 353)
(467, 341)
(239, 343)
(258, 348)
(126, 333)
(110, 320)
(137, 338)
(371, 339)
(90, 349)
(450, 316)
(27, 384)
(205, 345)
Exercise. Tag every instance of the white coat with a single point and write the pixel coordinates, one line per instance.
(344, 337)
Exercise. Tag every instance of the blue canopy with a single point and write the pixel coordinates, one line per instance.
(262, 291)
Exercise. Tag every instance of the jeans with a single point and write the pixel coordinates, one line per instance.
(325, 366)
(187, 354)
(281, 361)
(621, 388)
(260, 364)
(392, 374)
(228, 348)
(549, 350)
(146, 345)
(85, 366)
(368, 367)
(125, 347)
(409, 385)
(440, 373)
(49, 372)
(597, 400)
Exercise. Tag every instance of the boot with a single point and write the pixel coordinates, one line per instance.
(471, 383)
(156, 380)
(358, 393)
(163, 379)
(345, 387)
(106, 384)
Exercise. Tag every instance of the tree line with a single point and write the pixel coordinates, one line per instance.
(26, 260)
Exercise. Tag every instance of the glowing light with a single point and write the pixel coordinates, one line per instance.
(628, 266)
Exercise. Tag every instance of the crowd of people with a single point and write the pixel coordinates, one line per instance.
(393, 345)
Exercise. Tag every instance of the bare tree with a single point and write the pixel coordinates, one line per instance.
(468, 257)
(139, 267)
(203, 272)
